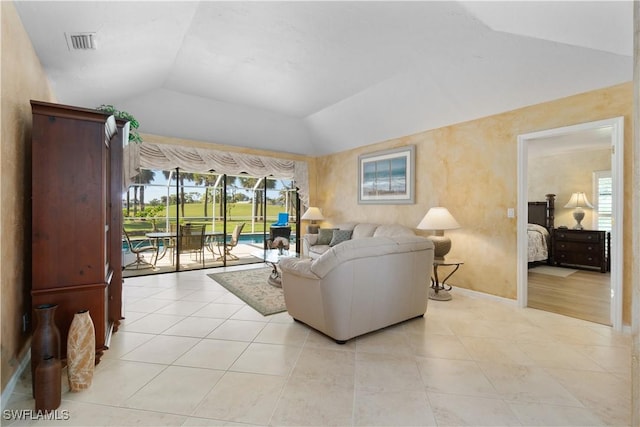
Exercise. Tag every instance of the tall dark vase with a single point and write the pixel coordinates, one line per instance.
(45, 340)
(48, 384)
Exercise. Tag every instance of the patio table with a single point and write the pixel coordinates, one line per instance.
(156, 236)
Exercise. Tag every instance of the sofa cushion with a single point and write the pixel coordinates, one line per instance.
(391, 230)
(340, 236)
(363, 230)
(346, 226)
(324, 236)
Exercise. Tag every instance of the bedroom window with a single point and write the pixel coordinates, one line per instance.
(602, 184)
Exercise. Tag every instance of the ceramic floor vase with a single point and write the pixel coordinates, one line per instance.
(48, 381)
(81, 351)
(45, 340)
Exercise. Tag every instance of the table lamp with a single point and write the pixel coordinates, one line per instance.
(578, 201)
(312, 214)
(439, 219)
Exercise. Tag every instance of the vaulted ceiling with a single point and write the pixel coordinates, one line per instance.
(321, 77)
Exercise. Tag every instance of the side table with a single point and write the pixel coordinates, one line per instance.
(440, 290)
(272, 257)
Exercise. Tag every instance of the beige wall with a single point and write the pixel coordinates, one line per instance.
(22, 79)
(563, 175)
(471, 168)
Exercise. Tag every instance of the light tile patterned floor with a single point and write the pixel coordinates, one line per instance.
(191, 354)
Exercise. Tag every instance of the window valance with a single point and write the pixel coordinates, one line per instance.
(192, 159)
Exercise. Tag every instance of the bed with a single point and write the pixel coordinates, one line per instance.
(539, 228)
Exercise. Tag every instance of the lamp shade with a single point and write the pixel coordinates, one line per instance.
(313, 214)
(578, 200)
(438, 218)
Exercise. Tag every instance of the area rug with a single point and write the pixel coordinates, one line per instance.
(251, 287)
(552, 271)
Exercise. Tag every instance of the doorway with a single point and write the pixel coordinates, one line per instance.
(528, 144)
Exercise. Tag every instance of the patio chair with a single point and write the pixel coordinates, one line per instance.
(283, 220)
(169, 244)
(191, 240)
(225, 250)
(139, 248)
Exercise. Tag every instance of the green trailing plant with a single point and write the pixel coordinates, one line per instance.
(134, 136)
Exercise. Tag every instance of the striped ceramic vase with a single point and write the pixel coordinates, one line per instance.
(81, 351)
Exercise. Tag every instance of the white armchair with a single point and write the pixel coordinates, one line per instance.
(360, 285)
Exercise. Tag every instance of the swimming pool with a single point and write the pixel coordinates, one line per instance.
(258, 238)
(246, 238)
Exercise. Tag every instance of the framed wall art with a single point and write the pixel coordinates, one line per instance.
(387, 177)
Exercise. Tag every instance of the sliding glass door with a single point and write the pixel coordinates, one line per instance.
(204, 220)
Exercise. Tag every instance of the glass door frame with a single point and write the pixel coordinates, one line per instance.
(220, 191)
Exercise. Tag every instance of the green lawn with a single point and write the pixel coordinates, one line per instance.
(194, 213)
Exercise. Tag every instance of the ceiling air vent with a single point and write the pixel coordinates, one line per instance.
(81, 41)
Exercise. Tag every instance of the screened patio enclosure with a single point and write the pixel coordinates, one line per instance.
(200, 220)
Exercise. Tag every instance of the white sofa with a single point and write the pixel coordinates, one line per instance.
(312, 248)
(360, 285)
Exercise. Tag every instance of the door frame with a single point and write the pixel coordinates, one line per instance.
(617, 165)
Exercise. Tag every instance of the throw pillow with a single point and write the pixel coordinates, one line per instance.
(324, 236)
(340, 236)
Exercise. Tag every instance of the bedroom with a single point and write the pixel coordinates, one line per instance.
(579, 161)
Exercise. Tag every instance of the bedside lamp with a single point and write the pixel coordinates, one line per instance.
(312, 214)
(578, 201)
(439, 219)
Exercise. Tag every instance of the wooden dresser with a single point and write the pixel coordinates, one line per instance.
(581, 248)
(77, 216)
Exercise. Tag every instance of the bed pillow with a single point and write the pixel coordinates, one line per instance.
(340, 236)
(324, 236)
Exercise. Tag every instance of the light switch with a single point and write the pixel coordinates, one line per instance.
(511, 213)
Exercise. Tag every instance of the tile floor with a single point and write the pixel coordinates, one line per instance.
(191, 354)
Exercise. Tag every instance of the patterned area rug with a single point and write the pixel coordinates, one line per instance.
(552, 271)
(251, 287)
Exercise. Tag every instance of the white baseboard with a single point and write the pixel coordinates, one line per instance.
(476, 294)
(11, 385)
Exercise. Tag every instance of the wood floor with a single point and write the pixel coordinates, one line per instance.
(584, 295)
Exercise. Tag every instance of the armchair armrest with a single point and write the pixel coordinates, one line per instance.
(297, 267)
(312, 239)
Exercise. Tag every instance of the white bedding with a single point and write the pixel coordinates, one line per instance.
(538, 242)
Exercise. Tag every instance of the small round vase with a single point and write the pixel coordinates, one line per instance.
(45, 340)
(81, 351)
(48, 380)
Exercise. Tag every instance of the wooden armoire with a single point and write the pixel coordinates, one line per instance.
(77, 216)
